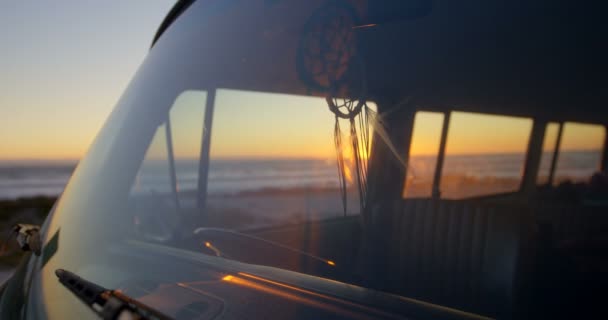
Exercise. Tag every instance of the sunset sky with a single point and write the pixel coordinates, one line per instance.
(268, 125)
(64, 65)
(471, 133)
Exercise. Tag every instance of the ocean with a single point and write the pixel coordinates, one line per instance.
(25, 179)
(33, 178)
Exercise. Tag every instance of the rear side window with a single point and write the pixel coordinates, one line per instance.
(580, 152)
(484, 155)
(424, 149)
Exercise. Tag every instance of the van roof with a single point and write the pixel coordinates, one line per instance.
(543, 59)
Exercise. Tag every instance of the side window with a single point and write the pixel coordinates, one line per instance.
(264, 169)
(484, 154)
(275, 163)
(580, 152)
(153, 176)
(544, 170)
(166, 182)
(424, 149)
(187, 117)
(173, 154)
(154, 204)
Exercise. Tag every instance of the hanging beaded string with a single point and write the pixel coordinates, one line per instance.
(349, 110)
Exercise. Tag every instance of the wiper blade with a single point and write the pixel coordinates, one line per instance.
(108, 304)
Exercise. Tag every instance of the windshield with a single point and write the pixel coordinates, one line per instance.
(265, 153)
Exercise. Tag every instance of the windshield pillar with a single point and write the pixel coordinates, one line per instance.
(171, 160)
(203, 168)
(533, 156)
(436, 193)
(558, 142)
(387, 172)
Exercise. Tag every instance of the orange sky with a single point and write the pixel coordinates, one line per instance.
(64, 64)
(268, 125)
(578, 136)
(59, 84)
(471, 133)
(254, 124)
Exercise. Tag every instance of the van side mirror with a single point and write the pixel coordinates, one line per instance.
(28, 237)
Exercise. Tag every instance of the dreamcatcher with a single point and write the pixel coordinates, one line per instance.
(328, 61)
(357, 113)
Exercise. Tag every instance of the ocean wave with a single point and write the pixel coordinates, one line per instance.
(236, 175)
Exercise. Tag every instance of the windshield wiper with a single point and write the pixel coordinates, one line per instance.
(108, 304)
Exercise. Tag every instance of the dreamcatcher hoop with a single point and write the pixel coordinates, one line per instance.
(353, 107)
(357, 114)
(328, 61)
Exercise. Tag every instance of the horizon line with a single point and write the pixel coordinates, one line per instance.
(274, 157)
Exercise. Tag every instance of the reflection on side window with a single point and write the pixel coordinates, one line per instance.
(424, 149)
(484, 154)
(544, 170)
(153, 176)
(580, 152)
(155, 206)
(166, 183)
(177, 148)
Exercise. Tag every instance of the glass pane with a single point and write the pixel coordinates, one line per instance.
(580, 152)
(484, 154)
(424, 149)
(273, 161)
(544, 170)
(187, 118)
(153, 201)
(153, 176)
